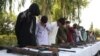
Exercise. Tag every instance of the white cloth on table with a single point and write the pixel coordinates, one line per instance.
(79, 52)
(95, 48)
(89, 50)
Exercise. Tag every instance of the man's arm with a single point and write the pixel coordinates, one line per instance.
(18, 23)
(32, 25)
(60, 35)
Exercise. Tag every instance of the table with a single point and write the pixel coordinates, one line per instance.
(3, 53)
(89, 50)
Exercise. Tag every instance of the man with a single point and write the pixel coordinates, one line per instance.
(42, 31)
(61, 34)
(53, 33)
(70, 32)
(78, 36)
(84, 34)
(26, 25)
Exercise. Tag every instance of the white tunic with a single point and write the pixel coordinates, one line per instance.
(78, 34)
(42, 34)
(53, 33)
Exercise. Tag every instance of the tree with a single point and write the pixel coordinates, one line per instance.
(7, 18)
(97, 32)
(7, 23)
(91, 26)
(71, 9)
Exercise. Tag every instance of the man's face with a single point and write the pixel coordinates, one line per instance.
(64, 25)
(58, 24)
(36, 12)
(44, 24)
(34, 9)
(68, 25)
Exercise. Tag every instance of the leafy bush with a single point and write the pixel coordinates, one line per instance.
(8, 40)
(7, 22)
(6, 25)
(97, 32)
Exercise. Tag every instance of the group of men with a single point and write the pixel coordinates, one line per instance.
(30, 33)
(73, 35)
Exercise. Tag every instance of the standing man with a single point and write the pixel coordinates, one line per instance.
(61, 34)
(70, 32)
(42, 31)
(26, 25)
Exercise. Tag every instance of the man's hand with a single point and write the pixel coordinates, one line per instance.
(63, 41)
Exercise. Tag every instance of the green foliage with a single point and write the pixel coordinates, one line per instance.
(97, 32)
(56, 11)
(8, 40)
(55, 8)
(2, 5)
(7, 22)
(6, 4)
(70, 9)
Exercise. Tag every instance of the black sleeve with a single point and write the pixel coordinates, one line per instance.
(34, 25)
(30, 25)
(18, 23)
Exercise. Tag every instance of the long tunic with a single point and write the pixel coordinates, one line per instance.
(78, 35)
(25, 29)
(84, 35)
(53, 33)
(42, 34)
(91, 38)
(70, 32)
(61, 36)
